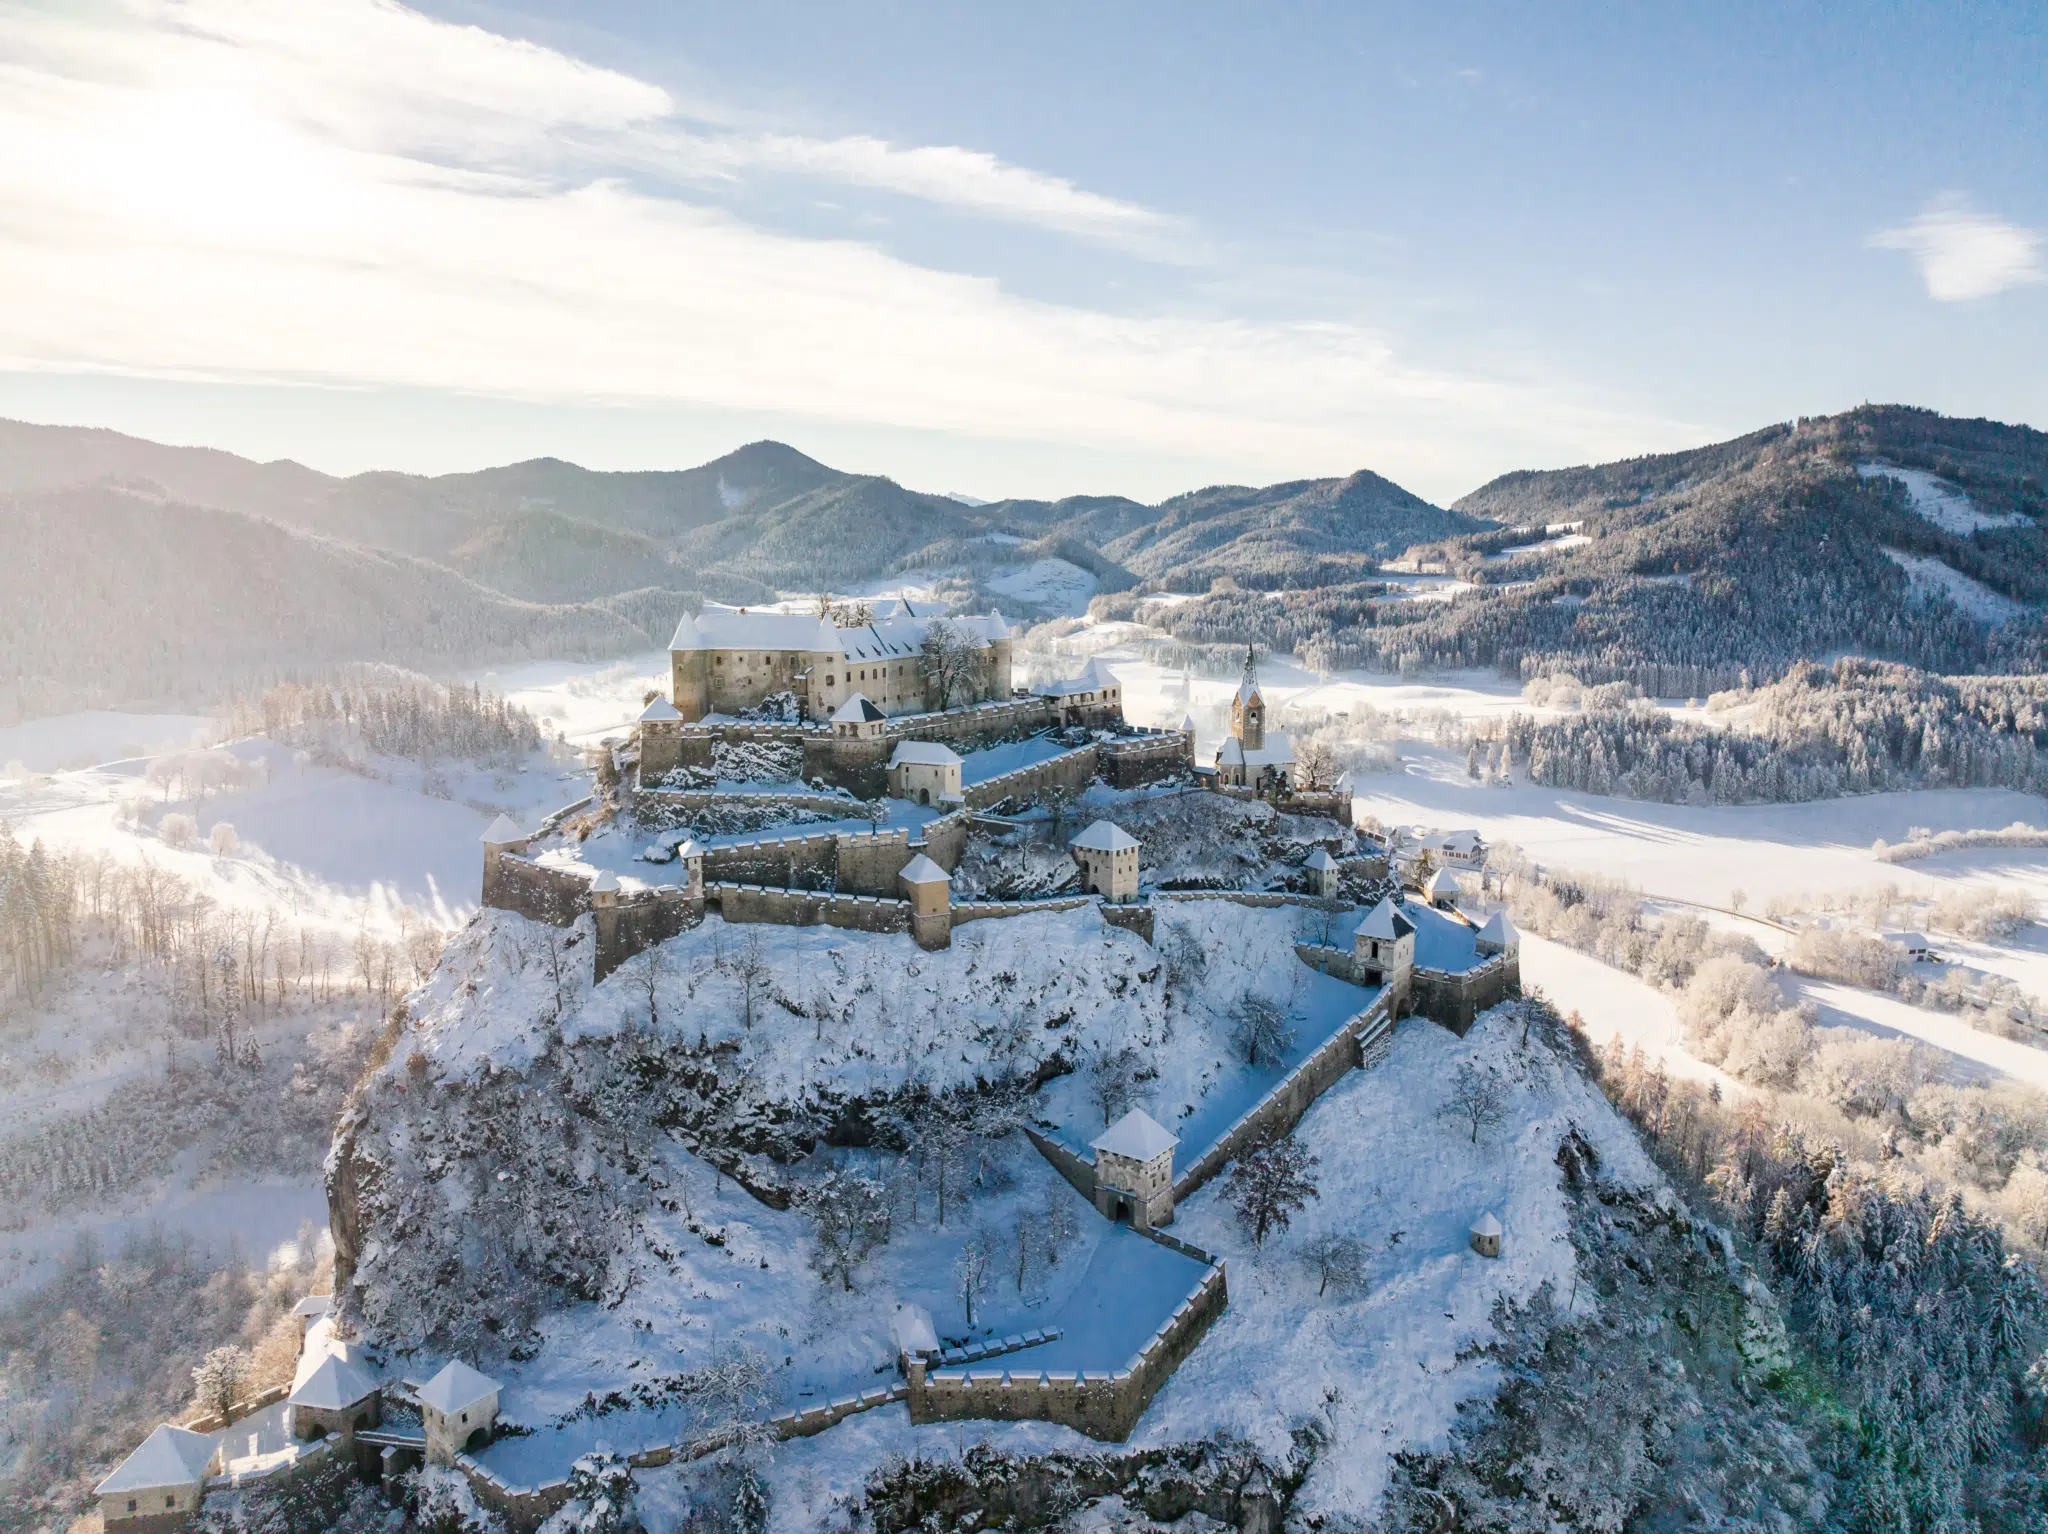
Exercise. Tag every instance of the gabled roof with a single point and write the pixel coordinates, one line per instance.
(742, 628)
(502, 833)
(606, 883)
(857, 710)
(690, 848)
(334, 1385)
(912, 1331)
(170, 1456)
(1486, 1225)
(456, 1388)
(1137, 1135)
(924, 753)
(314, 1305)
(660, 711)
(1278, 751)
(1385, 922)
(922, 870)
(1321, 861)
(1499, 930)
(1093, 678)
(1104, 836)
(1248, 692)
(1442, 882)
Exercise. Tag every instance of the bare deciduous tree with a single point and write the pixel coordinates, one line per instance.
(1113, 1080)
(1315, 766)
(1335, 1259)
(849, 1220)
(971, 1269)
(949, 661)
(750, 967)
(1270, 1186)
(1476, 1099)
(1259, 1029)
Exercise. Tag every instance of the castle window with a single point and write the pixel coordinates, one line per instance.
(170, 1501)
(131, 1504)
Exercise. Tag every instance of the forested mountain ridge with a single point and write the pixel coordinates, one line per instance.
(1886, 531)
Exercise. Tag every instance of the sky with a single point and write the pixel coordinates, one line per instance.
(1018, 250)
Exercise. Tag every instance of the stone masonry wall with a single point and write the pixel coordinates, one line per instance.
(1282, 1107)
(1456, 999)
(1157, 754)
(1073, 769)
(1104, 1405)
(552, 895)
(800, 908)
(997, 910)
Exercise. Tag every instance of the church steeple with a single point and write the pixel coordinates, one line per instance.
(1248, 708)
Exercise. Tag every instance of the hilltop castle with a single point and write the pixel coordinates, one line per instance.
(726, 659)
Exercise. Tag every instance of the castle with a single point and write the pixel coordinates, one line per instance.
(725, 660)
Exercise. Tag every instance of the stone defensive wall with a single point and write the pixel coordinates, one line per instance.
(1146, 756)
(1263, 900)
(1290, 1097)
(516, 883)
(997, 910)
(1105, 1405)
(1456, 998)
(804, 908)
(690, 801)
(1070, 769)
(1330, 806)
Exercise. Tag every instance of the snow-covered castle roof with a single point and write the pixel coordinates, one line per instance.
(1137, 1135)
(660, 711)
(502, 833)
(1094, 677)
(456, 1388)
(1499, 931)
(922, 870)
(170, 1456)
(335, 1385)
(924, 753)
(912, 1331)
(1104, 836)
(1386, 922)
(857, 710)
(1321, 861)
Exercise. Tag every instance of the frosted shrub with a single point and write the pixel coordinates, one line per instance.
(1866, 1077)
(222, 839)
(1767, 1049)
(177, 830)
(1981, 914)
(1716, 991)
(1847, 956)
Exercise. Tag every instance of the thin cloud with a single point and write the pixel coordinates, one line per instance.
(1963, 254)
(193, 215)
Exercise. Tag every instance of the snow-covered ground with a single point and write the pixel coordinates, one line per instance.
(584, 701)
(1947, 506)
(1704, 853)
(84, 740)
(320, 843)
(1927, 576)
(1385, 1371)
(1055, 587)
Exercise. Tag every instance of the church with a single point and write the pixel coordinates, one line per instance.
(1253, 756)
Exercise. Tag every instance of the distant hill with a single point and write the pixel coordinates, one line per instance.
(1888, 531)
(625, 547)
(111, 596)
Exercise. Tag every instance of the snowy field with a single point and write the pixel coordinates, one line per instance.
(321, 843)
(1705, 853)
(87, 739)
(582, 700)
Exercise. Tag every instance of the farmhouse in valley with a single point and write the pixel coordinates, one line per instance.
(905, 660)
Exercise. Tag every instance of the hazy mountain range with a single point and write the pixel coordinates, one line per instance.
(139, 572)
